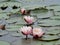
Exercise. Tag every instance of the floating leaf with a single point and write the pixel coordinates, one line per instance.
(48, 22)
(55, 17)
(56, 8)
(45, 15)
(13, 27)
(57, 13)
(59, 35)
(49, 43)
(11, 21)
(9, 8)
(15, 34)
(3, 15)
(4, 43)
(52, 32)
(2, 32)
(57, 42)
(49, 38)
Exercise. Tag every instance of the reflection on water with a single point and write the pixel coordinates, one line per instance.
(27, 42)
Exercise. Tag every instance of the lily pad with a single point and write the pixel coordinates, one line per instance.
(2, 0)
(21, 21)
(4, 43)
(9, 8)
(10, 4)
(2, 32)
(59, 35)
(45, 15)
(55, 17)
(13, 27)
(32, 7)
(38, 12)
(48, 22)
(56, 8)
(3, 15)
(16, 34)
(57, 13)
(49, 38)
(49, 43)
(52, 31)
(57, 42)
(11, 21)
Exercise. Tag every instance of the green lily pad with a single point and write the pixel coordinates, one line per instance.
(57, 42)
(53, 31)
(3, 15)
(49, 43)
(13, 3)
(3, 32)
(59, 35)
(49, 38)
(15, 10)
(2, 0)
(53, 28)
(45, 25)
(53, 5)
(9, 8)
(10, 4)
(38, 12)
(48, 22)
(45, 15)
(11, 21)
(13, 27)
(57, 13)
(21, 21)
(32, 7)
(56, 8)
(55, 17)
(16, 34)
(4, 43)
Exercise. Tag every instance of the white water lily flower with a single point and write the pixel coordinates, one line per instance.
(37, 32)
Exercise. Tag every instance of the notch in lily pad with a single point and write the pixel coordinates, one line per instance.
(15, 7)
(3, 8)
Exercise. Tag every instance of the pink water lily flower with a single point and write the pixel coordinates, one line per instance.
(26, 30)
(29, 19)
(24, 11)
(37, 32)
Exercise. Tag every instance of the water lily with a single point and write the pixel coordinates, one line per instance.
(37, 32)
(29, 19)
(26, 30)
(24, 11)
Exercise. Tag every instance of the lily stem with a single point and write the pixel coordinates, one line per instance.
(26, 37)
